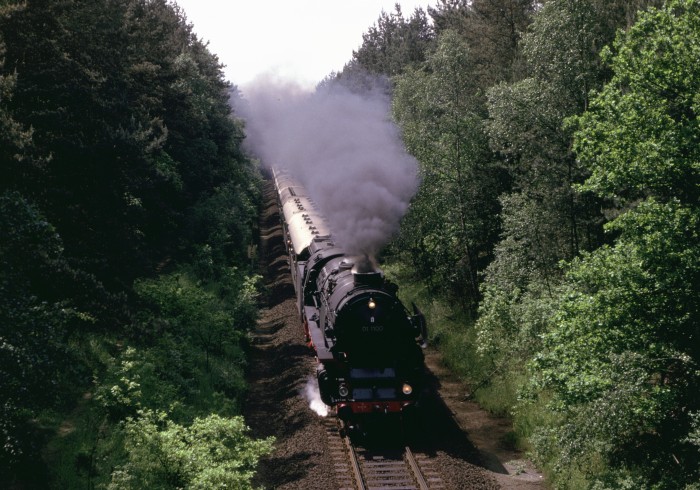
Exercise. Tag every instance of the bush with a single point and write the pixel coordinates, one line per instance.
(213, 452)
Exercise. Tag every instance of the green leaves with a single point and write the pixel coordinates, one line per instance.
(212, 452)
(35, 315)
(622, 358)
(622, 355)
(394, 43)
(440, 111)
(641, 134)
(132, 112)
(119, 157)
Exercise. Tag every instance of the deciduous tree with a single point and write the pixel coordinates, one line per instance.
(441, 112)
(622, 357)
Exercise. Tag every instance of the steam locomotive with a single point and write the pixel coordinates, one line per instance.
(367, 344)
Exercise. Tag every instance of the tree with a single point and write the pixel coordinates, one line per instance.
(622, 357)
(131, 126)
(14, 138)
(493, 29)
(36, 314)
(526, 119)
(545, 221)
(645, 118)
(119, 155)
(495, 32)
(450, 15)
(394, 43)
(440, 113)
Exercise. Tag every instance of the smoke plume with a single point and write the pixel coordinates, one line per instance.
(344, 149)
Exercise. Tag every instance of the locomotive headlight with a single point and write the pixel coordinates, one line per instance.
(407, 389)
(343, 390)
(372, 305)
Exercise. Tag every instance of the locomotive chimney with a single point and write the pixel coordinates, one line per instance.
(366, 273)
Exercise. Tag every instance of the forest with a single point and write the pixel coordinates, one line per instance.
(554, 242)
(128, 217)
(559, 210)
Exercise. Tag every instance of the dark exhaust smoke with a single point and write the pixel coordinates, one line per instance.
(346, 152)
(364, 264)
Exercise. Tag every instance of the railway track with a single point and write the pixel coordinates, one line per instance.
(390, 468)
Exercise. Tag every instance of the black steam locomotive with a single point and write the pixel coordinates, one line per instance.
(368, 346)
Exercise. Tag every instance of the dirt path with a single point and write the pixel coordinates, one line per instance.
(487, 433)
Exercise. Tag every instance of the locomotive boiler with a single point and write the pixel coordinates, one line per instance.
(368, 345)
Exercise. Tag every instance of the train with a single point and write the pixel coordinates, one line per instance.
(368, 346)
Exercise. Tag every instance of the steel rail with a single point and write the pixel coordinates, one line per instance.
(386, 469)
(355, 464)
(417, 473)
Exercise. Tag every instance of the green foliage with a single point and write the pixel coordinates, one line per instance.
(621, 362)
(511, 323)
(528, 255)
(120, 158)
(495, 29)
(213, 320)
(526, 126)
(618, 360)
(35, 317)
(492, 28)
(609, 332)
(190, 306)
(543, 220)
(184, 303)
(224, 224)
(189, 362)
(520, 297)
(132, 113)
(393, 43)
(212, 452)
(645, 120)
(440, 113)
(134, 383)
(14, 138)
(564, 44)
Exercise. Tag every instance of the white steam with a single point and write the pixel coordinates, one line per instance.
(346, 152)
(312, 395)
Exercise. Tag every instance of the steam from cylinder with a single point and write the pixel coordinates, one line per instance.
(346, 152)
(312, 395)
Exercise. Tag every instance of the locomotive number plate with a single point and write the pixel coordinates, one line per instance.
(373, 329)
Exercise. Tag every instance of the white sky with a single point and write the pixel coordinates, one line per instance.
(296, 40)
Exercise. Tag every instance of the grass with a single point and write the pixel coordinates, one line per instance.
(449, 329)
(452, 332)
